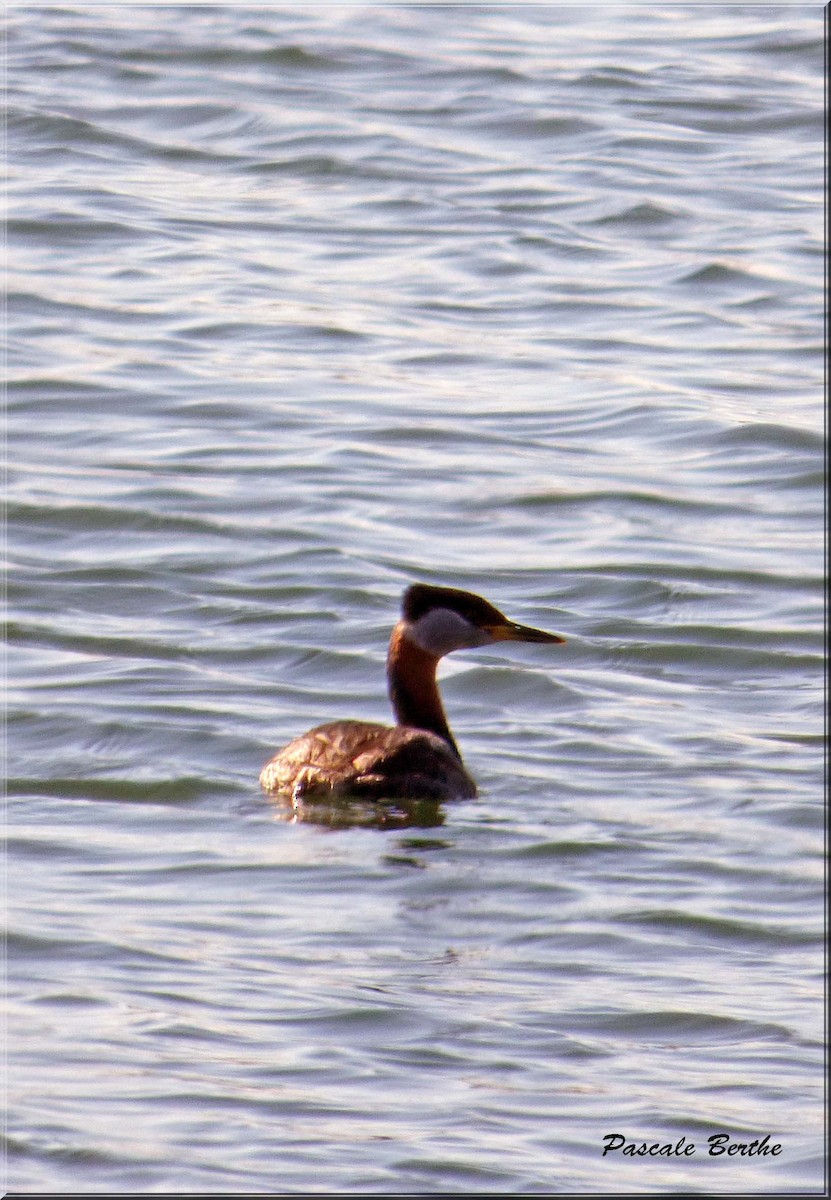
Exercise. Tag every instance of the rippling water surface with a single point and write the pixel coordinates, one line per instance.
(307, 304)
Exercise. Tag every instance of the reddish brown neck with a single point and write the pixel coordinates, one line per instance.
(411, 674)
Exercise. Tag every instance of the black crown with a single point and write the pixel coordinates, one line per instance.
(421, 598)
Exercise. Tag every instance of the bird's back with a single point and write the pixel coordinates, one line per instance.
(370, 761)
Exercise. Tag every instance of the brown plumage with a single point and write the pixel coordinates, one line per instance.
(417, 758)
(370, 762)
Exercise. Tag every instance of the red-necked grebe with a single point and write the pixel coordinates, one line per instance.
(417, 758)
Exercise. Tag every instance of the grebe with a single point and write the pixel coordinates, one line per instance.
(417, 758)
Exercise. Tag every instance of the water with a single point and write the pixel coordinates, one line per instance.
(306, 304)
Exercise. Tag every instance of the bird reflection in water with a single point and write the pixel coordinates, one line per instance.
(346, 812)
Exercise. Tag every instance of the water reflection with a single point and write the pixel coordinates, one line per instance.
(349, 813)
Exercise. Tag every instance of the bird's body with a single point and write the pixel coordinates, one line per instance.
(416, 758)
(370, 762)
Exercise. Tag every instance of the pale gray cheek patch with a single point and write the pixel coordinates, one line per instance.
(442, 630)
